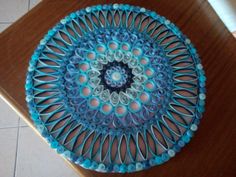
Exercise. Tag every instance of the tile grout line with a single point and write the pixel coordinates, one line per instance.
(18, 128)
(17, 142)
(28, 5)
(21, 126)
(6, 22)
(9, 22)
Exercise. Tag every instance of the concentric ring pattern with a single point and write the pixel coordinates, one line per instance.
(116, 88)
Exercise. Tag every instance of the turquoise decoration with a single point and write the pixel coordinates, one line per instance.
(116, 88)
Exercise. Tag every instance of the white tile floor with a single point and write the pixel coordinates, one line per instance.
(11, 10)
(22, 152)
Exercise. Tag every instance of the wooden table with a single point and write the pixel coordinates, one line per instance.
(211, 152)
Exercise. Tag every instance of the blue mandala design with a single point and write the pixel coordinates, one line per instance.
(116, 77)
(116, 88)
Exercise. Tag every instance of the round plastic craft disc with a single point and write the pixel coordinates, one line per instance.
(116, 88)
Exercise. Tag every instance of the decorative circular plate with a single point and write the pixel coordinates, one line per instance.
(116, 88)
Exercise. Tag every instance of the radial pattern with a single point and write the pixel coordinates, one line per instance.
(116, 88)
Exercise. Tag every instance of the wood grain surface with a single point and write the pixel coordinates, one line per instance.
(211, 153)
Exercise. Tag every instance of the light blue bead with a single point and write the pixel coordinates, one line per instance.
(167, 22)
(94, 165)
(202, 96)
(51, 32)
(153, 14)
(115, 6)
(101, 167)
(79, 160)
(202, 84)
(142, 9)
(88, 9)
(171, 153)
(34, 57)
(186, 138)
(31, 68)
(105, 7)
(193, 127)
(63, 21)
(193, 50)
(131, 167)
(116, 168)
(176, 148)
(49, 139)
(152, 162)
(86, 163)
(37, 122)
(189, 133)
(187, 41)
(67, 154)
(60, 149)
(29, 98)
(201, 102)
(34, 116)
(202, 78)
(28, 86)
(43, 42)
(181, 143)
(123, 168)
(165, 157)
(73, 15)
(158, 160)
(40, 128)
(99, 7)
(54, 144)
(201, 109)
(126, 7)
(139, 166)
(199, 66)
(202, 90)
